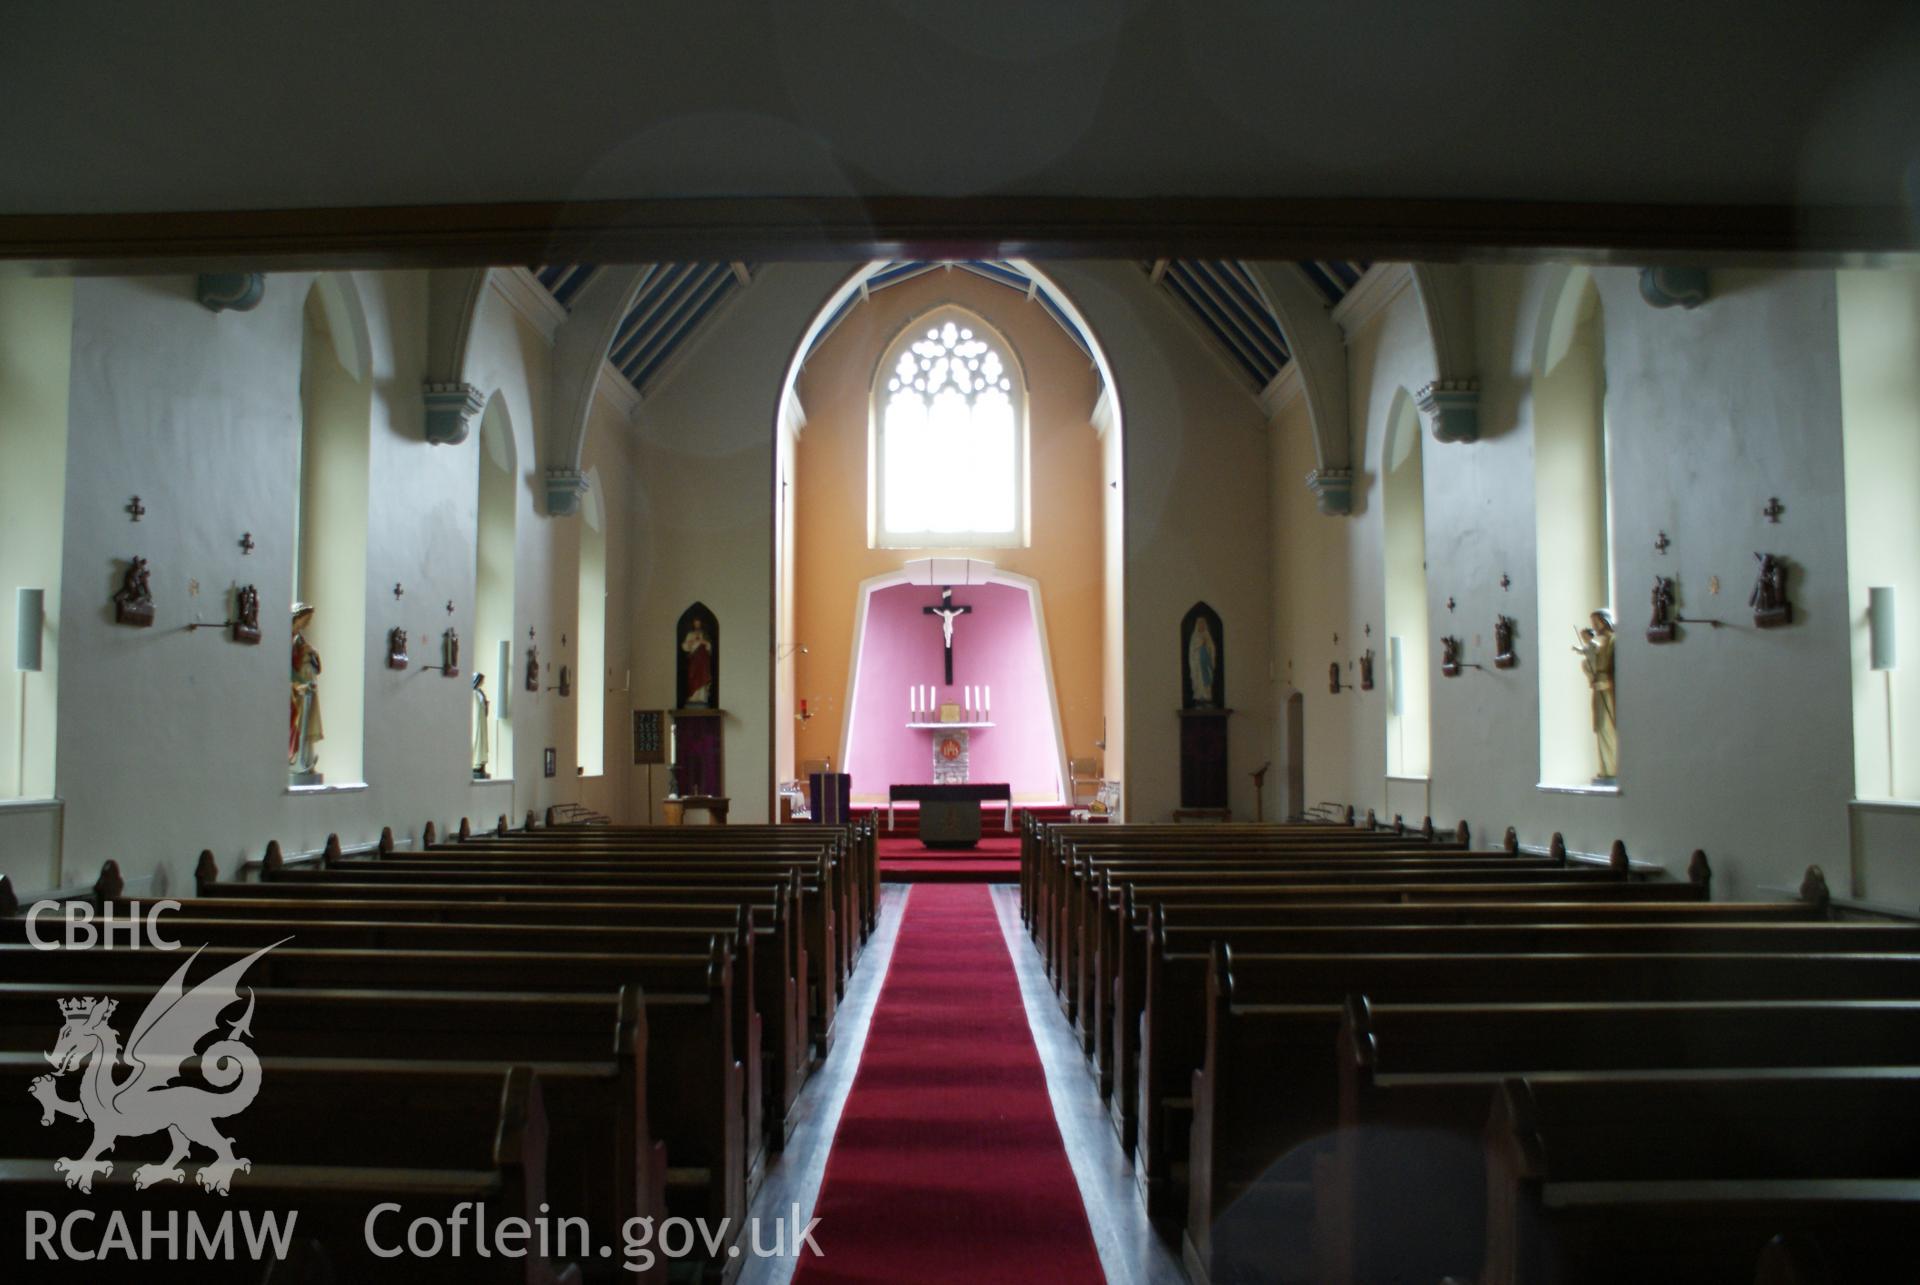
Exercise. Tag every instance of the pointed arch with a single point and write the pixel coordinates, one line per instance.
(497, 507)
(1404, 553)
(590, 627)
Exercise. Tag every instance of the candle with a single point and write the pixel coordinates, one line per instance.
(986, 702)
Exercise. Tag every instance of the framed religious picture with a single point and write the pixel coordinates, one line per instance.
(550, 764)
(949, 713)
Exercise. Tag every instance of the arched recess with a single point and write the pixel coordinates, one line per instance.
(493, 614)
(1108, 421)
(1572, 517)
(981, 574)
(36, 351)
(591, 626)
(330, 537)
(1404, 551)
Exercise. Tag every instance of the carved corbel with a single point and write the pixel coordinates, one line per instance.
(1451, 408)
(1332, 490)
(1673, 287)
(450, 410)
(230, 291)
(565, 486)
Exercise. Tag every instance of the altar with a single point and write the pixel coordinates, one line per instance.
(950, 814)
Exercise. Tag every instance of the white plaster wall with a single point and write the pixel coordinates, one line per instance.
(1195, 453)
(172, 741)
(1735, 740)
(704, 463)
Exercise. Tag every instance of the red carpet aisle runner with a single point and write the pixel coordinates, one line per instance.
(995, 860)
(948, 1166)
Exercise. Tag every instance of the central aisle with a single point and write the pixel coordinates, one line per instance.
(948, 1165)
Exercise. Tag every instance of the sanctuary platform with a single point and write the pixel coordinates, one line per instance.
(996, 859)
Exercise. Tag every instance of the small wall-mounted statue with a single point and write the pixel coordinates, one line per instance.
(1503, 653)
(566, 682)
(133, 600)
(396, 648)
(1769, 597)
(1366, 670)
(697, 660)
(246, 615)
(450, 653)
(1450, 656)
(1333, 678)
(533, 669)
(1662, 629)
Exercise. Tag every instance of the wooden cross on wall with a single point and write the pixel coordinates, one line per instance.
(948, 613)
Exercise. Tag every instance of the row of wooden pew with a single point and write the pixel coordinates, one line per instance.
(1363, 1053)
(595, 1022)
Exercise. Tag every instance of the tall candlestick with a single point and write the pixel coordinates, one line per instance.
(986, 702)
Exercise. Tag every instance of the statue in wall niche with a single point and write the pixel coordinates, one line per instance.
(133, 600)
(1769, 597)
(481, 728)
(1366, 670)
(246, 615)
(1503, 653)
(1450, 657)
(1661, 628)
(1203, 662)
(304, 731)
(1333, 678)
(1595, 647)
(697, 677)
(533, 669)
(396, 648)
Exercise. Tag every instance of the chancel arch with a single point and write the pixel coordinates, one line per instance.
(1573, 540)
(1016, 465)
(493, 615)
(326, 737)
(1404, 551)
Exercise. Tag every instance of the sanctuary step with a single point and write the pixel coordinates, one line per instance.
(906, 818)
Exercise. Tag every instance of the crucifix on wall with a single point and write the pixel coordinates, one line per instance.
(948, 613)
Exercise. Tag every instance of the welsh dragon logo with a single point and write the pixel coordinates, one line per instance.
(145, 1098)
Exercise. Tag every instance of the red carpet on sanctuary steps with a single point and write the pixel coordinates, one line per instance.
(948, 1165)
(996, 859)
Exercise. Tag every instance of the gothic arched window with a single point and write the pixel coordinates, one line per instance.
(950, 438)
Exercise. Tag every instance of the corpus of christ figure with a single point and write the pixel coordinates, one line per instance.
(948, 613)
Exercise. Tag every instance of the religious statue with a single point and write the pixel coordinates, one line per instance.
(246, 623)
(133, 601)
(1333, 678)
(1202, 660)
(565, 687)
(1366, 670)
(1503, 653)
(480, 727)
(533, 669)
(1450, 656)
(1595, 647)
(304, 731)
(1769, 597)
(1661, 628)
(948, 612)
(396, 648)
(450, 654)
(699, 686)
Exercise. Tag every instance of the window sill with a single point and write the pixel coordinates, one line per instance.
(1598, 791)
(1423, 779)
(1898, 807)
(493, 780)
(350, 787)
(30, 805)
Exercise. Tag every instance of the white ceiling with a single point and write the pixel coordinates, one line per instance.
(243, 105)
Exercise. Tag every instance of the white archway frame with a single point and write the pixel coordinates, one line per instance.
(983, 573)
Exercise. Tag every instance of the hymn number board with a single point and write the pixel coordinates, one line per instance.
(649, 737)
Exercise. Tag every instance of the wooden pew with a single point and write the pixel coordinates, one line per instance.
(1405, 1194)
(777, 959)
(329, 1140)
(696, 1086)
(590, 1052)
(1270, 1020)
(1622, 1176)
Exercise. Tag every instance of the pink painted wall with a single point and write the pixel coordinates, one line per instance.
(997, 646)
